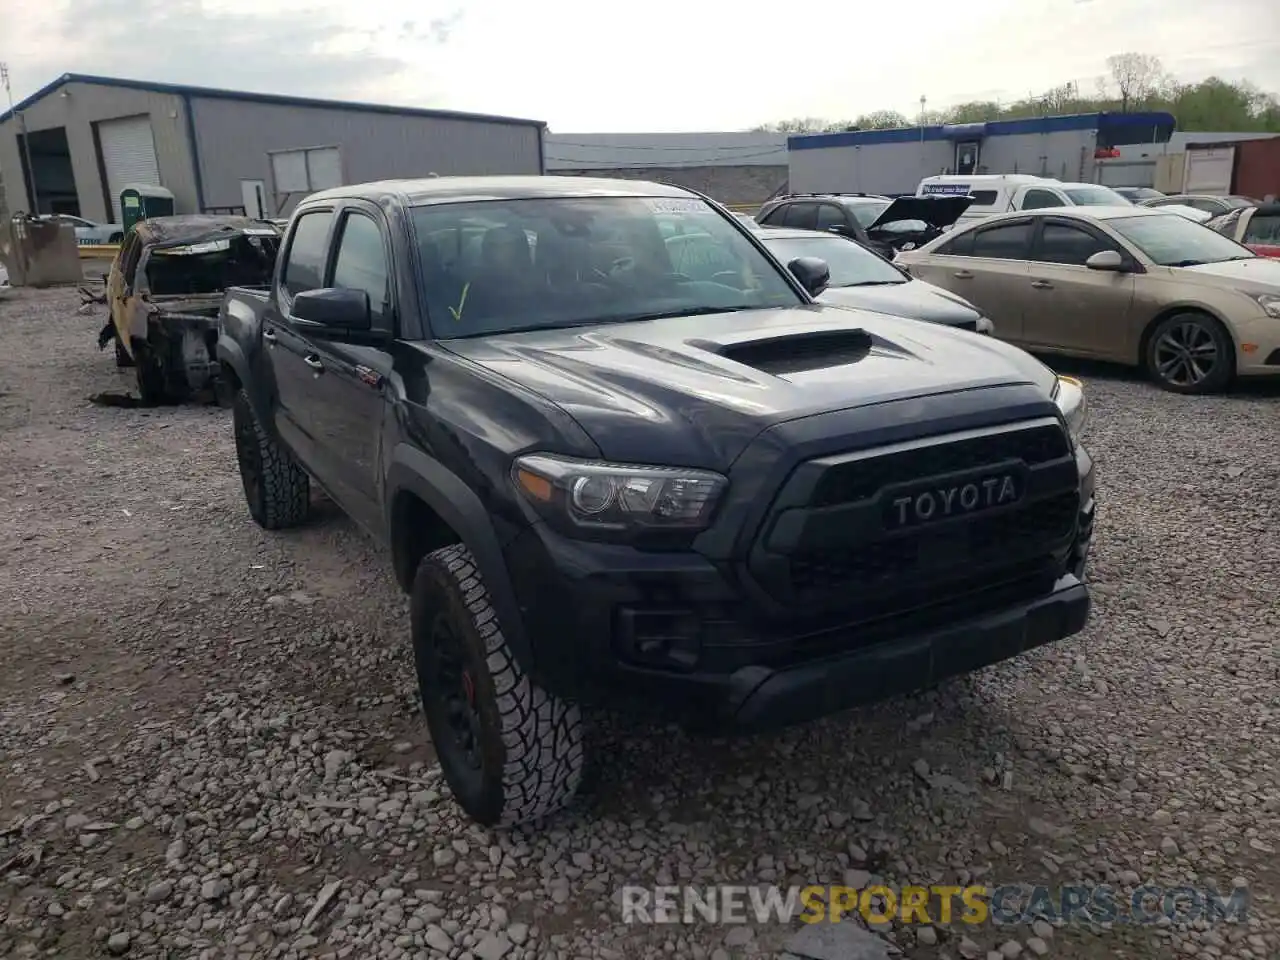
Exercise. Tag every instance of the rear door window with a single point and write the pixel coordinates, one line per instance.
(1006, 241)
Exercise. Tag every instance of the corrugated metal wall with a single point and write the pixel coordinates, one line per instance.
(899, 167)
(868, 168)
(1257, 171)
(77, 111)
(234, 136)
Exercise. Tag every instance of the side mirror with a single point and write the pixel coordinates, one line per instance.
(335, 308)
(813, 274)
(840, 230)
(1108, 260)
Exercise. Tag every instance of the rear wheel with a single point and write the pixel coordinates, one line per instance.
(510, 751)
(1190, 353)
(277, 490)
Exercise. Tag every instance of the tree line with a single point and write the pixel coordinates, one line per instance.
(1134, 82)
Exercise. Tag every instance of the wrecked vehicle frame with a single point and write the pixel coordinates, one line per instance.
(163, 293)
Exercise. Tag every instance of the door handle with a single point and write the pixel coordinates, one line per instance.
(1042, 284)
(963, 275)
(269, 338)
(314, 363)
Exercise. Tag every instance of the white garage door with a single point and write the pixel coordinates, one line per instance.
(129, 156)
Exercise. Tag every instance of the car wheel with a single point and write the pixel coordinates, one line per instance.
(277, 490)
(1190, 353)
(510, 751)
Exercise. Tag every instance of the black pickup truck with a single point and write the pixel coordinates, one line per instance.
(603, 482)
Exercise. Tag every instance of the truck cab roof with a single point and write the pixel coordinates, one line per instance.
(452, 189)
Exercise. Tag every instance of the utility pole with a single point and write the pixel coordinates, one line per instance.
(29, 179)
(923, 101)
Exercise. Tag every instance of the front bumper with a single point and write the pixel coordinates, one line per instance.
(683, 636)
(1258, 347)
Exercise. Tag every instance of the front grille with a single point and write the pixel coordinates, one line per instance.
(863, 478)
(982, 542)
(831, 549)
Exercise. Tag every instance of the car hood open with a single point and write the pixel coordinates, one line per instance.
(696, 390)
(938, 212)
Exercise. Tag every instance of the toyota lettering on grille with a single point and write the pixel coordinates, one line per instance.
(946, 500)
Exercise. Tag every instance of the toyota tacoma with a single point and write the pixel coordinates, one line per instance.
(604, 482)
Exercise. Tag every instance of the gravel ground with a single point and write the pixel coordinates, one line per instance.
(210, 747)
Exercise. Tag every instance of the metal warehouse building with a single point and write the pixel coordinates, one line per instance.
(895, 161)
(734, 168)
(227, 151)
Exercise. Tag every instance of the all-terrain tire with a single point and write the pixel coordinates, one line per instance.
(278, 491)
(530, 744)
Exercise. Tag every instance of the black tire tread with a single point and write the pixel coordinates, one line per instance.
(285, 499)
(542, 736)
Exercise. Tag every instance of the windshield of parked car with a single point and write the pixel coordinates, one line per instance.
(499, 266)
(866, 213)
(1096, 197)
(851, 265)
(1174, 241)
(1236, 202)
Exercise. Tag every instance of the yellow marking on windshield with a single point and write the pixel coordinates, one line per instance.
(462, 302)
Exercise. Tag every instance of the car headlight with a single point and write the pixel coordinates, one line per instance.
(615, 500)
(1068, 394)
(1269, 302)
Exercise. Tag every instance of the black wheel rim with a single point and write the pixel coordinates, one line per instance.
(1186, 354)
(450, 676)
(247, 455)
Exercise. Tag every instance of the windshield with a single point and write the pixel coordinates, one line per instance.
(498, 266)
(1174, 241)
(1096, 197)
(1140, 193)
(1236, 203)
(866, 213)
(851, 265)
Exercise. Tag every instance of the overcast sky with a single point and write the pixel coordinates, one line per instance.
(663, 65)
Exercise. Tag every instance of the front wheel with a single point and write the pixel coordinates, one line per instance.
(277, 489)
(1190, 353)
(510, 751)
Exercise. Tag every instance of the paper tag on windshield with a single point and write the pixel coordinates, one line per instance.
(674, 205)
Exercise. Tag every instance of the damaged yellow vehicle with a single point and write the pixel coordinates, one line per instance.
(164, 290)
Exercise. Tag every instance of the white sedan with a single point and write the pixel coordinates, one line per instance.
(88, 232)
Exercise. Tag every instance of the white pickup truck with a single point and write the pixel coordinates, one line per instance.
(1002, 193)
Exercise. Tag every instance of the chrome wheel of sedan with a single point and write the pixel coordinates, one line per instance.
(1190, 353)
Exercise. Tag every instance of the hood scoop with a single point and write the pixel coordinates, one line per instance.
(795, 352)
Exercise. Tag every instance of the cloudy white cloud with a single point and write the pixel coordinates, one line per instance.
(667, 65)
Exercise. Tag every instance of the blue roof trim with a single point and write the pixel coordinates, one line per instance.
(215, 93)
(994, 128)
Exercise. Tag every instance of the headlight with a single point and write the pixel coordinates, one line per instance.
(1269, 302)
(614, 499)
(1068, 394)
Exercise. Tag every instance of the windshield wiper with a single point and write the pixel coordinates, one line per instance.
(669, 314)
(874, 283)
(1186, 263)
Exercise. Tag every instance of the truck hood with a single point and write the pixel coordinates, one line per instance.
(914, 299)
(938, 212)
(695, 391)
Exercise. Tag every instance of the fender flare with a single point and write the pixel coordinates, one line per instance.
(413, 471)
(230, 354)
